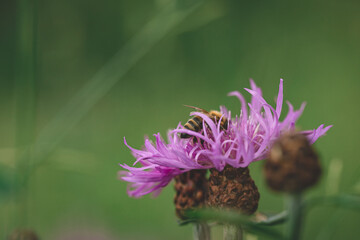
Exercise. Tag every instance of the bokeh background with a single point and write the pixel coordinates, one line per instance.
(78, 76)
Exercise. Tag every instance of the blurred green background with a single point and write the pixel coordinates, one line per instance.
(78, 76)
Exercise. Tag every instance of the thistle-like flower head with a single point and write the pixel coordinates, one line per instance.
(247, 138)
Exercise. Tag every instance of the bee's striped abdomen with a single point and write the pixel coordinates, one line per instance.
(194, 124)
(216, 116)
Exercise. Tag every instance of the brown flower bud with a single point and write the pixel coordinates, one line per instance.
(23, 234)
(233, 188)
(190, 190)
(292, 165)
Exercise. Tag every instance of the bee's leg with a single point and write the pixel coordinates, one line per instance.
(195, 140)
(184, 135)
(225, 125)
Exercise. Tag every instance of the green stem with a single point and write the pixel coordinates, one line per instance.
(295, 216)
(232, 232)
(25, 103)
(201, 231)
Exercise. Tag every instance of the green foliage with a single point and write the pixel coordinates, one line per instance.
(5, 184)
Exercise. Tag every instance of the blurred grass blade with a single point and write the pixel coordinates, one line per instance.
(334, 177)
(25, 98)
(108, 76)
(344, 201)
(234, 219)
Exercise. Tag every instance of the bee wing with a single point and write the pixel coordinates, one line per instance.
(197, 108)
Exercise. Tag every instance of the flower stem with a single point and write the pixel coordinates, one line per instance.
(232, 232)
(295, 216)
(201, 231)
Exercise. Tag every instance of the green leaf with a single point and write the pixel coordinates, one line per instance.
(344, 201)
(226, 217)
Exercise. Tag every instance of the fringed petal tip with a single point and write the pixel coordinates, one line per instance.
(121, 174)
(313, 135)
(252, 83)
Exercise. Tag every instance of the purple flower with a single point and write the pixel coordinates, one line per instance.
(247, 138)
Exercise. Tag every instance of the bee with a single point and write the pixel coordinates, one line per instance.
(196, 123)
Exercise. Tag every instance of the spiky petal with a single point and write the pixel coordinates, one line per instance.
(248, 138)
